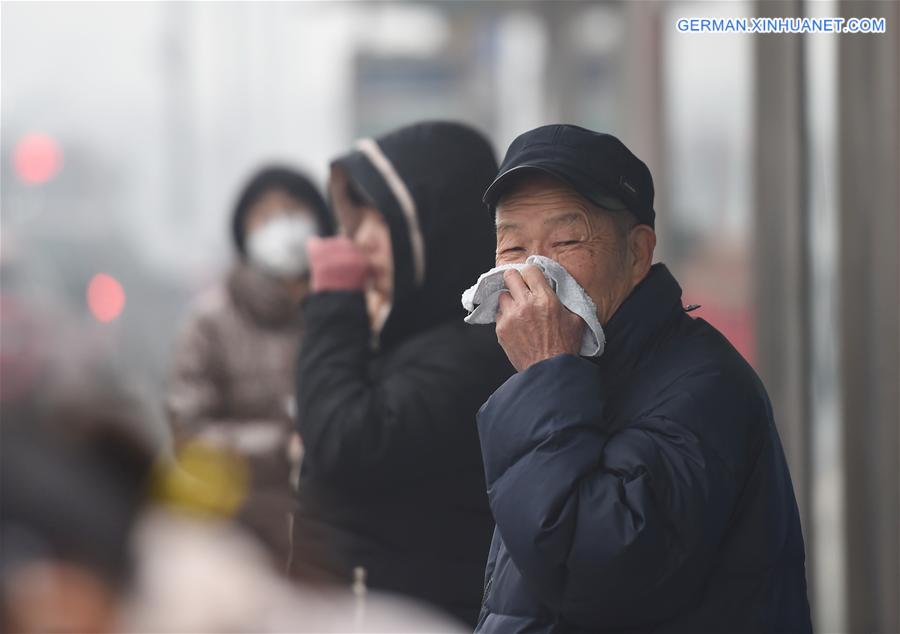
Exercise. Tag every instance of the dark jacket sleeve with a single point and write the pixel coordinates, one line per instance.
(608, 527)
(363, 429)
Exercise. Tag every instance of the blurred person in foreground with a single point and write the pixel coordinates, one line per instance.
(98, 534)
(200, 570)
(233, 376)
(73, 480)
(644, 489)
(390, 377)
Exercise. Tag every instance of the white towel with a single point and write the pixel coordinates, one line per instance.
(483, 299)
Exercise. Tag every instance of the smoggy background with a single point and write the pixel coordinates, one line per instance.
(127, 130)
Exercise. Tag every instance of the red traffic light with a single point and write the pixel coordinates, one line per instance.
(105, 297)
(37, 158)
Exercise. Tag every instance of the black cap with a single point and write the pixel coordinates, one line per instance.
(598, 166)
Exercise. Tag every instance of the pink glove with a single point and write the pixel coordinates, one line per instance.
(337, 265)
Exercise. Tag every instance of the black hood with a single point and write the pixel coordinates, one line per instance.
(276, 177)
(427, 180)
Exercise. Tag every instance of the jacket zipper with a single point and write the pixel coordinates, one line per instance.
(487, 589)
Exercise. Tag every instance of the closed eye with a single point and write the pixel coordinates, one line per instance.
(512, 250)
(566, 243)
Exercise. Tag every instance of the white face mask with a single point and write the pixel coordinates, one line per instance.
(279, 246)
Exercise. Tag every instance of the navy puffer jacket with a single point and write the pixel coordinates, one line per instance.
(644, 491)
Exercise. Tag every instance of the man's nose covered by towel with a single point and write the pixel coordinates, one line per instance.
(483, 299)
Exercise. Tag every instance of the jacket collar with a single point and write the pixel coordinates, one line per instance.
(262, 298)
(652, 303)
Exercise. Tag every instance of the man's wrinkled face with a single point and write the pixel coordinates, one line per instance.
(542, 216)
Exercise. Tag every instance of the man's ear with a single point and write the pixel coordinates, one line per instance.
(641, 243)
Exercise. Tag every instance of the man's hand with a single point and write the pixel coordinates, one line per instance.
(337, 265)
(532, 324)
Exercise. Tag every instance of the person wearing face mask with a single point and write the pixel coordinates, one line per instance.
(390, 377)
(232, 379)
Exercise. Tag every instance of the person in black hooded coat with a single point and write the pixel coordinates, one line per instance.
(388, 389)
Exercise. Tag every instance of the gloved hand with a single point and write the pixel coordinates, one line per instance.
(336, 265)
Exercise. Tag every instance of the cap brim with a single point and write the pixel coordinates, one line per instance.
(501, 184)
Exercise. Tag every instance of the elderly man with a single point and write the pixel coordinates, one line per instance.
(644, 489)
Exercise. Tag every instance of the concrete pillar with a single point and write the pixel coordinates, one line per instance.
(781, 257)
(869, 161)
